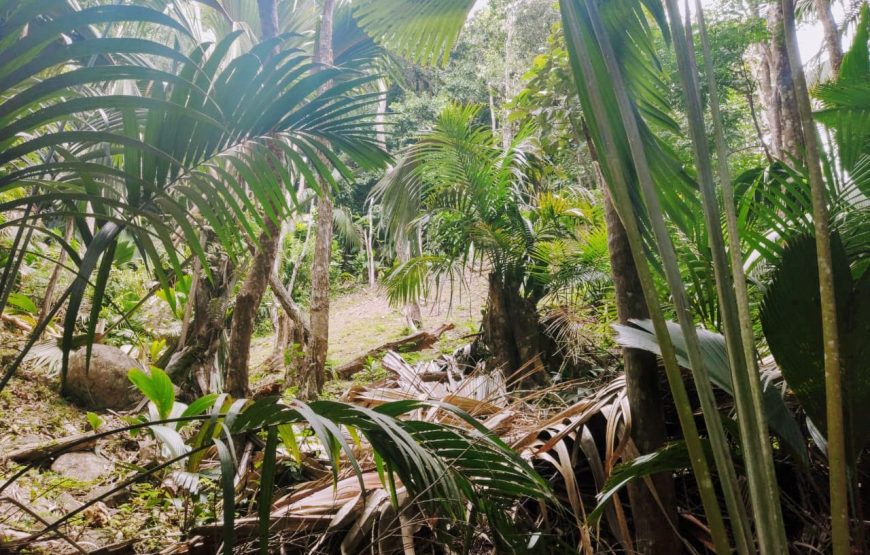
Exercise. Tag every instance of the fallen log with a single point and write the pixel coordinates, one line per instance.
(37, 451)
(17, 322)
(414, 342)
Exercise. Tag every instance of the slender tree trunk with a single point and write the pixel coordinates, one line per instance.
(312, 377)
(769, 98)
(791, 143)
(293, 330)
(733, 298)
(245, 311)
(289, 331)
(369, 238)
(493, 120)
(313, 372)
(832, 34)
(369, 233)
(587, 78)
(257, 279)
(652, 533)
(279, 317)
(510, 30)
(48, 298)
(641, 381)
(750, 101)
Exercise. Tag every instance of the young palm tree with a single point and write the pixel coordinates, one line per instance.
(126, 172)
(479, 204)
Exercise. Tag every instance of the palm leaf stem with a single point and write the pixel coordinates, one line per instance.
(671, 267)
(754, 435)
(619, 189)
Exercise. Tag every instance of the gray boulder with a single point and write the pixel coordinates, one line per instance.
(83, 467)
(103, 385)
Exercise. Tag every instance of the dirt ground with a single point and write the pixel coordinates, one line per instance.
(364, 319)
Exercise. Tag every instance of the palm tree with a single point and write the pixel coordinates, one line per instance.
(220, 167)
(479, 204)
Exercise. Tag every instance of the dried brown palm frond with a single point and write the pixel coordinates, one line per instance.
(575, 446)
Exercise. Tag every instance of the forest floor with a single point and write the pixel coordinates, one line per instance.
(151, 513)
(362, 319)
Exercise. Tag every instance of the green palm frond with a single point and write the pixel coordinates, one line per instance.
(847, 104)
(345, 228)
(454, 473)
(792, 323)
(422, 30)
(628, 27)
(411, 281)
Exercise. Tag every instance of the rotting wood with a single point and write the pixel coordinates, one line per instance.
(414, 342)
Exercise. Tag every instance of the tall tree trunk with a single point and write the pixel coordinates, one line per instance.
(836, 452)
(314, 368)
(279, 316)
(750, 101)
(254, 286)
(641, 382)
(769, 99)
(652, 534)
(510, 31)
(290, 323)
(832, 34)
(493, 121)
(369, 243)
(791, 141)
(293, 330)
(369, 233)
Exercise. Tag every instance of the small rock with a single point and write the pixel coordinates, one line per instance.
(104, 384)
(67, 503)
(113, 500)
(84, 467)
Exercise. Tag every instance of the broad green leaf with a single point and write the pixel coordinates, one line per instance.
(157, 388)
(22, 302)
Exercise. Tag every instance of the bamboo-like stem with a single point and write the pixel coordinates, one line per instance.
(830, 334)
(754, 433)
(619, 188)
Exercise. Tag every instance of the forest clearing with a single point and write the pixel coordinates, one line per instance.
(434, 276)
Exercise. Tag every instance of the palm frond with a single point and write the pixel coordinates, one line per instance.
(421, 30)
